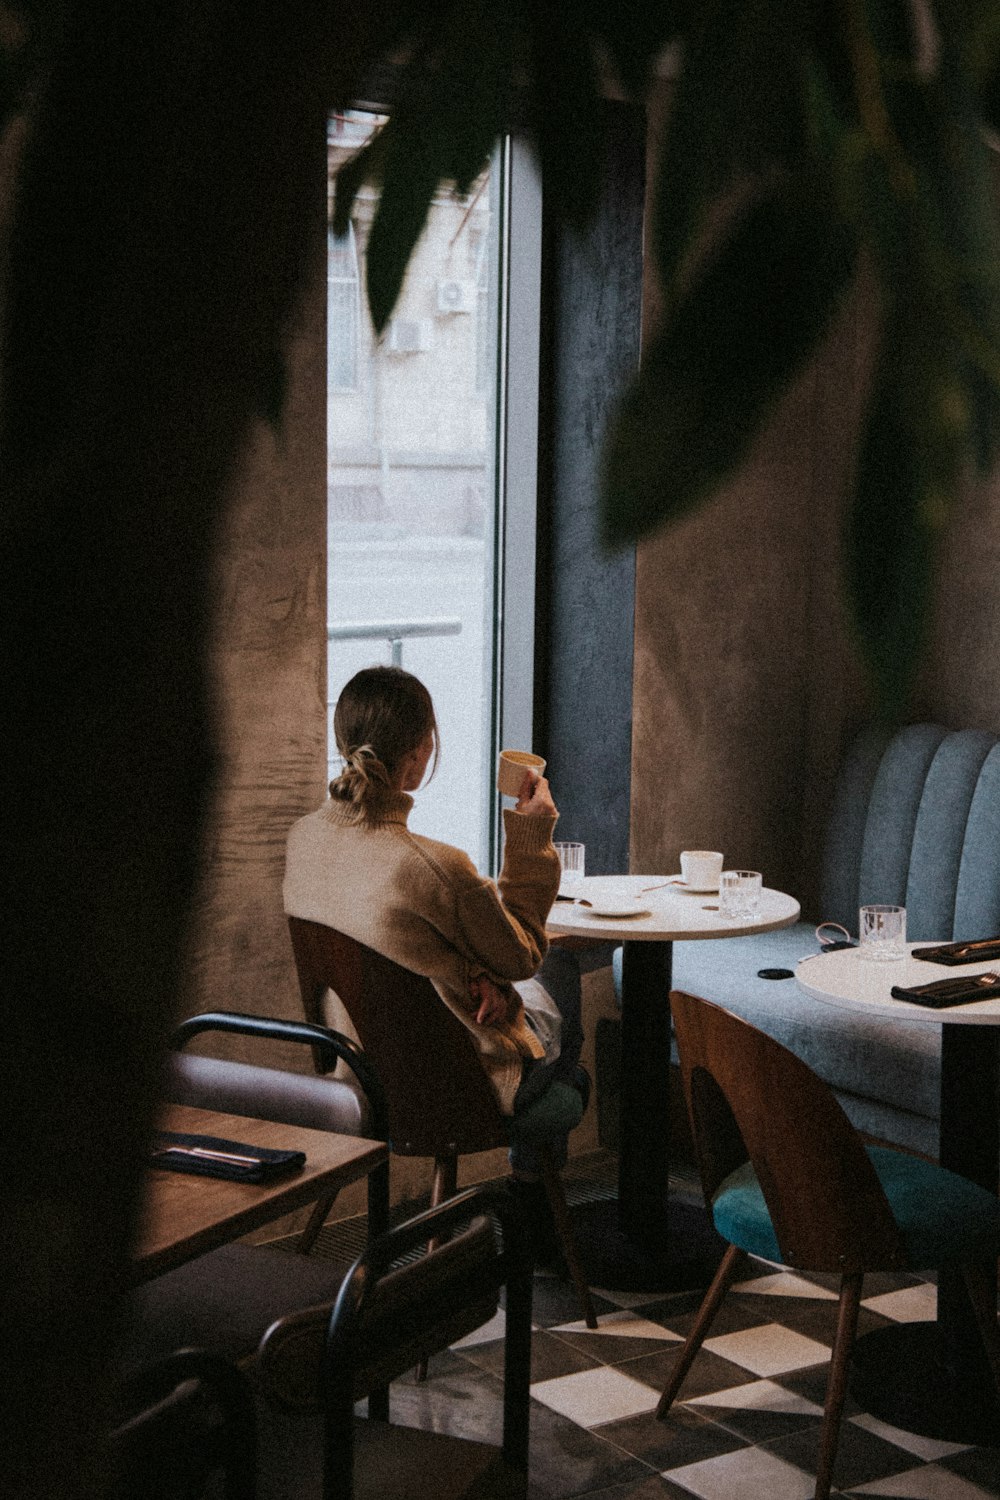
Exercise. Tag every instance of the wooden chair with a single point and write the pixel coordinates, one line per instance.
(313, 1366)
(786, 1177)
(438, 1098)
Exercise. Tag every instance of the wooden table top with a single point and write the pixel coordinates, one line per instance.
(186, 1215)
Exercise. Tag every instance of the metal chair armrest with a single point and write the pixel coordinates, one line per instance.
(329, 1046)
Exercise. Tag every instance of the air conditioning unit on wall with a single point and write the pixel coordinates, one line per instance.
(456, 296)
(409, 335)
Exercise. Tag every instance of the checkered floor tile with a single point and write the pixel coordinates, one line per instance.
(746, 1426)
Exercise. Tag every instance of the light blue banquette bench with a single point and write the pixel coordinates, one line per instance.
(915, 822)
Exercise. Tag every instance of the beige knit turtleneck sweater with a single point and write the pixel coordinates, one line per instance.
(424, 905)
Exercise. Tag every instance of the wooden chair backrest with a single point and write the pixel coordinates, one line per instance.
(439, 1098)
(748, 1097)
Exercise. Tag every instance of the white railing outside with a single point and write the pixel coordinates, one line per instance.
(393, 631)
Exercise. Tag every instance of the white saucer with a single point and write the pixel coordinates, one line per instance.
(620, 908)
(696, 890)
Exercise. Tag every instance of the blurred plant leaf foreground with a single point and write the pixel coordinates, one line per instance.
(827, 132)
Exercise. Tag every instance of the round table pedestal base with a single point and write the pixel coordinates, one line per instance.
(904, 1376)
(686, 1262)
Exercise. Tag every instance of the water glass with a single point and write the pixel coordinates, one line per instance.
(571, 862)
(882, 930)
(739, 894)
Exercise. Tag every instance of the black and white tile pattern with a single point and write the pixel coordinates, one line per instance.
(747, 1424)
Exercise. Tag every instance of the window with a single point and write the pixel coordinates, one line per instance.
(486, 323)
(431, 478)
(343, 311)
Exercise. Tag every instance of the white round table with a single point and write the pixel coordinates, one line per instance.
(930, 1377)
(653, 1245)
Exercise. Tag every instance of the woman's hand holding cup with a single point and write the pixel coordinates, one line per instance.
(520, 775)
(535, 799)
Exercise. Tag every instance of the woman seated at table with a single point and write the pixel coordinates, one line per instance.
(355, 866)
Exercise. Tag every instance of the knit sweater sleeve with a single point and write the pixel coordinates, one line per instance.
(503, 925)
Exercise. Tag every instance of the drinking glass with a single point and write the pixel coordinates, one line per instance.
(739, 893)
(882, 930)
(571, 862)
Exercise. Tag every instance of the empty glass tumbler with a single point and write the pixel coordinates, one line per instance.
(882, 931)
(739, 894)
(571, 860)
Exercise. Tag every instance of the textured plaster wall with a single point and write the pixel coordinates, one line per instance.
(742, 664)
(747, 684)
(268, 664)
(961, 683)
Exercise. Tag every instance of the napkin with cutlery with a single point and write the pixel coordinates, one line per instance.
(962, 990)
(984, 950)
(210, 1156)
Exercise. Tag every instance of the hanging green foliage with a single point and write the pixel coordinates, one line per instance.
(802, 134)
(828, 130)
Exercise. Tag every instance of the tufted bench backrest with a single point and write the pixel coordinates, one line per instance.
(916, 823)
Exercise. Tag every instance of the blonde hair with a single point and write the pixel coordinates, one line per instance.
(382, 715)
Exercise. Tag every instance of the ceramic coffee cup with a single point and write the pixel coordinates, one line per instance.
(513, 764)
(701, 869)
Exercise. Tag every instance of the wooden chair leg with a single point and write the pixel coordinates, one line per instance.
(556, 1196)
(445, 1180)
(317, 1219)
(836, 1387)
(443, 1186)
(982, 1290)
(702, 1323)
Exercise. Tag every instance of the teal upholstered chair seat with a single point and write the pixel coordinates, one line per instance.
(943, 1218)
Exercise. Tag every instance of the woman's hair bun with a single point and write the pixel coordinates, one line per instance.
(363, 778)
(382, 715)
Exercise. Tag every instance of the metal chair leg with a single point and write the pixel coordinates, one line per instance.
(556, 1196)
(702, 1323)
(836, 1388)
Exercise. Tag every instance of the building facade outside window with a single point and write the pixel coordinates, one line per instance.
(343, 284)
(431, 476)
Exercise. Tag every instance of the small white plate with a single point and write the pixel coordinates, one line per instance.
(623, 906)
(696, 890)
